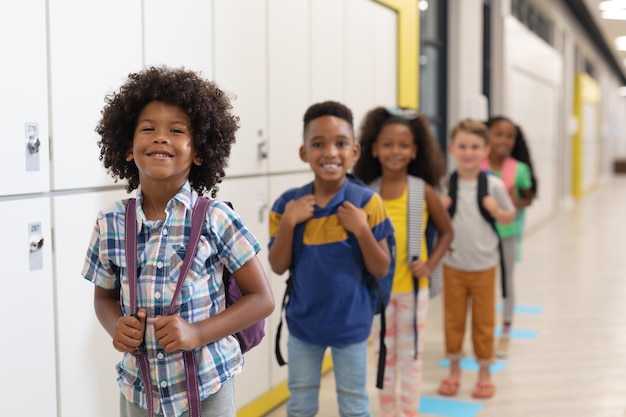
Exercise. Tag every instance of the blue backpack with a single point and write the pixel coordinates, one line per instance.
(379, 289)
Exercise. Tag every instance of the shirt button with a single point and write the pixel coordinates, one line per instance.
(157, 295)
(160, 355)
(165, 231)
(159, 264)
(163, 384)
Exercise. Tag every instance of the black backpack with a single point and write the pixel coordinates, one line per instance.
(482, 192)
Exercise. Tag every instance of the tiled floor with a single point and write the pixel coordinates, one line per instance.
(571, 358)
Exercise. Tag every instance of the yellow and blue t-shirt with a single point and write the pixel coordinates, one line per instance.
(329, 303)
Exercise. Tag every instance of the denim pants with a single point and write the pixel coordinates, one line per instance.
(304, 368)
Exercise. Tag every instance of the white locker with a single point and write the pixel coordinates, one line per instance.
(192, 47)
(241, 69)
(27, 358)
(328, 50)
(249, 199)
(86, 356)
(289, 75)
(93, 47)
(362, 56)
(24, 98)
(386, 63)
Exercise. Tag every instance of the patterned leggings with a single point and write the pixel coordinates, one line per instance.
(401, 367)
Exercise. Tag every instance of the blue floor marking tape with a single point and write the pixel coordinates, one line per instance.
(527, 334)
(470, 364)
(522, 309)
(449, 408)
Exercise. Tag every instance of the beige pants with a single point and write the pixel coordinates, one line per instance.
(461, 287)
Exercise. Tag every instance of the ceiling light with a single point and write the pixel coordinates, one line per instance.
(612, 5)
(423, 5)
(620, 43)
(614, 14)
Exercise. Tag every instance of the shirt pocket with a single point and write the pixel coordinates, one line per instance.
(196, 276)
(176, 265)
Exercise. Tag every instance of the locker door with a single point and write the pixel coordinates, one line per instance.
(361, 56)
(27, 359)
(240, 69)
(176, 51)
(24, 98)
(86, 357)
(252, 207)
(328, 64)
(289, 75)
(93, 47)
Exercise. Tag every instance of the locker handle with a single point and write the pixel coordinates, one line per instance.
(261, 145)
(36, 243)
(33, 144)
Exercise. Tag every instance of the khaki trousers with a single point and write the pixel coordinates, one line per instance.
(461, 287)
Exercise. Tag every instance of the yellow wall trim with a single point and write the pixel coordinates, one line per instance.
(586, 90)
(408, 50)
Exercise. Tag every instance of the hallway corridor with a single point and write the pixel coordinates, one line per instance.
(568, 354)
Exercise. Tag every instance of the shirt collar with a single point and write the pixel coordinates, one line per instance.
(186, 196)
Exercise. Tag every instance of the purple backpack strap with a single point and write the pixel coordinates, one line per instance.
(130, 242)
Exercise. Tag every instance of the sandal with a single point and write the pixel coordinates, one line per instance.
(484, 390)
(448, 387)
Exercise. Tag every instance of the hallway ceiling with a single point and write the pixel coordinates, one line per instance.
(611, 29)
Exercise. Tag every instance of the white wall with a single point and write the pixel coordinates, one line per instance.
(465, 67)
(533, 99)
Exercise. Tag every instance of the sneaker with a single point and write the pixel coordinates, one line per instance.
(502, 349)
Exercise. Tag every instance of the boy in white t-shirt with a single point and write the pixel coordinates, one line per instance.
(470, 265)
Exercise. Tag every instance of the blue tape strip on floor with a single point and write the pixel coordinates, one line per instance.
(470, 364)
(522, 309)
(449, 408)
(527, 334)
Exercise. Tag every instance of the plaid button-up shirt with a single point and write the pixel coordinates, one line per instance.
(161, 247)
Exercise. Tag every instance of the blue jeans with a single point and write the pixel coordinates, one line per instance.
(305, 365)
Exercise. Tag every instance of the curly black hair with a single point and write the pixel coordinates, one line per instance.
(520, 150)
(209, 110)
(429, 163)
(327, 108)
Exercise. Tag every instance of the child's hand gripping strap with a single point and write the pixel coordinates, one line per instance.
(130, 242)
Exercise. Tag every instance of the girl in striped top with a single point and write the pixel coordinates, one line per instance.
(401, 160)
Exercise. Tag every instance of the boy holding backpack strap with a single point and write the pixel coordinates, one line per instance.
(329, 302)
(168, 132)
(470, 265)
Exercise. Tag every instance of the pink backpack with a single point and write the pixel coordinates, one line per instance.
(509, 170)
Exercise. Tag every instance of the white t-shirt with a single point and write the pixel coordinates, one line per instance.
(475, 243)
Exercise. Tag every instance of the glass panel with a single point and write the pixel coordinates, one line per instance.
(429, 19)
(430, 88)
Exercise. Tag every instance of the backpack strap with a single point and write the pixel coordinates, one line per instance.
(189, 357)
(509, 172)
(296, 249)
(353, 194)
(453, 184)
(483, 191)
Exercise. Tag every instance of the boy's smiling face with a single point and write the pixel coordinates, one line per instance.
(163, 148)
(329, 148)
(468, 149)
